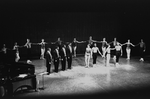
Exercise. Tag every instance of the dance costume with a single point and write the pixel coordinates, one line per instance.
(94, 51)
(17, 53)
(118, 52)
(142, 50)
(104, 43)
(42, 50)
(87, 56)
(28, 45)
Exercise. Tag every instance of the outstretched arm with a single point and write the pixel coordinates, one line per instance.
(137, 44)
(80, 41)
(99, 52)
(123, 44)
(132, 44)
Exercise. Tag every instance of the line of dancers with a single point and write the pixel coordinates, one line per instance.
(64, 51)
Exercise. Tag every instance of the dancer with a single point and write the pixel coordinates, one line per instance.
(113, 46)
(16, 48)
(88, 55)
(104, 43)
(90, 41)
(95, 50)
(74, 46)
(48, 60)
(128, 48)
(3, 54)
(118, 49)
(58, 43)
(63, 57)
(4, 49)
(108, 52)
(69, 55)
(42, 48)
(28, 46)
(142, 49)
(56, 58)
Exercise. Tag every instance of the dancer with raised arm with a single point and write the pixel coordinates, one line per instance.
(142, 46)
(104, 44)
(43, 43)
(114, 43)
(128, 48)
(58, 43)
(74, 46)
(16, 48)
(88, 55)
(90, 41)
(95, 51)
(108, 52)
(28, 46)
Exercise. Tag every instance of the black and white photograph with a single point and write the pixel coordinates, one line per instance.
(97, 49)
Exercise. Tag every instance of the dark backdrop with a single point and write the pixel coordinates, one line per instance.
(35, 19)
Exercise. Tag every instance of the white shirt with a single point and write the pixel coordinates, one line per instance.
(118, 48)
(94, 49)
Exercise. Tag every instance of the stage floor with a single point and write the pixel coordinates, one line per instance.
(130, 78)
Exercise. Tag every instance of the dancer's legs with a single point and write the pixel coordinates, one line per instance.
(107, 59)
(128, 53)
(74, 49)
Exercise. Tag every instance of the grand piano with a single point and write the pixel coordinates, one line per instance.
(15, 75)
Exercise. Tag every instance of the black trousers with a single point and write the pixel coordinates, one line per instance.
(94, 58)
(56, 64)
(63, 63)
(69, 60)
(48, 66)
(118, 53)
(142, 52)
(113, 52)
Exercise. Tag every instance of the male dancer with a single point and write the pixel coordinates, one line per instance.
(48, 60)
(58, 43)
(69, 55)
(63, 57)
(128, 48)
(118, 49)
(95, 50)
(56, 57)
(114, 43)
(142, 49)
(74, 46)
(90, 41)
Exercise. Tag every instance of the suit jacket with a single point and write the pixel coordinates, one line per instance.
(55, 55)
(62, 53)
(48, 57)
(68, 52)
